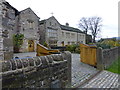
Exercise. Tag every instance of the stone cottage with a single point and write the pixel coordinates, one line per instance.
(27, 24)
(14, 22)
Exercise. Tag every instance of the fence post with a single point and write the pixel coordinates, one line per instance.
(67, 56)
(100, 64)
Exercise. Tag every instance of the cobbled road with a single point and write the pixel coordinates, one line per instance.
(80, 71)
(103, 80)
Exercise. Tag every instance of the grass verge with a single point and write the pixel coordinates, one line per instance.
(115, 67)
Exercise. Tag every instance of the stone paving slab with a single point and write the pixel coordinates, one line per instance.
(81, 71)
(105, 79)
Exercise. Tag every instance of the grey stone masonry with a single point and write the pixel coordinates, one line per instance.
(27, 24)
(7, 16)
(105, 57)
(49, 71)
(1, 39)
(49, 31)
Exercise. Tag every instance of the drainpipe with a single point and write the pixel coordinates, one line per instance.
(77, 38)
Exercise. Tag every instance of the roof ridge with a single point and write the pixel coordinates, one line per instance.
(68, 28)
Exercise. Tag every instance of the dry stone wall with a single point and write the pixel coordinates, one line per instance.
(50, 71)
(105, 57)
(109, 56)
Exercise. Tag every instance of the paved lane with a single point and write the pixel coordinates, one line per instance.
(103, 80)
(80, 71)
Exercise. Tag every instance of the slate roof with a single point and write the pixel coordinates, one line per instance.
(64, 27)
(67, 28)
(42, 21)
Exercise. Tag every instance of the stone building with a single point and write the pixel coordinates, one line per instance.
(27, 24)
(7, 18)
(49, 31)
(55, 34)
(14, 22)
(70, 35)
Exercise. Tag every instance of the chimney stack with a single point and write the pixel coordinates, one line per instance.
(67, 24)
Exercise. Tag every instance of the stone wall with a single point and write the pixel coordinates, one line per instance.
(105, 57)
(7, 17)
(50, 71)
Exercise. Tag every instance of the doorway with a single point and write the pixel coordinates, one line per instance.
(30, 45)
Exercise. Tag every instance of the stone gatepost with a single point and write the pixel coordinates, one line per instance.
(100, 64)
(67, 56)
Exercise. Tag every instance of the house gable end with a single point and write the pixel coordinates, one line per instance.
(29, 10)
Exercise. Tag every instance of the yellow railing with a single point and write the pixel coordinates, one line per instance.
(42, 50)
(88, 54)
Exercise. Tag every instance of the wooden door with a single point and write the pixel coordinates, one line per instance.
(62, 43)
(30, 45)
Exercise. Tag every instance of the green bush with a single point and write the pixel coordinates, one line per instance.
(17, 42)
(104, 46)
(107, 44)
(73, 48)
(45, 44)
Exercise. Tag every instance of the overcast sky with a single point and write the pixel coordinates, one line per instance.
(72, 10)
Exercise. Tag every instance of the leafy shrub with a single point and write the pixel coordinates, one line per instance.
(73, 48)
(104, 46)
(107, 44)
(17, 42)
(45, 44)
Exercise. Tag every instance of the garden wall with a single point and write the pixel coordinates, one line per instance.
(52, 71)
(105, 57)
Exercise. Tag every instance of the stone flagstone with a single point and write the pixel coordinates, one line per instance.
(105, 79)
(80, 71)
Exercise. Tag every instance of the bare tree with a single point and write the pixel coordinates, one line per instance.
(92, 24)
(83, 24)
(95, 26)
